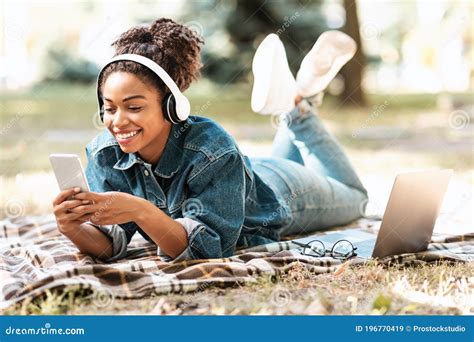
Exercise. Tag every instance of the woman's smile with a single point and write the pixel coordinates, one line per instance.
(127, 137)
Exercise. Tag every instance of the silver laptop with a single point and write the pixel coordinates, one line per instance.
(408, 221)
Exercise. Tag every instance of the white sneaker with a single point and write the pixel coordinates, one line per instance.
(331, 51)
(274, 86)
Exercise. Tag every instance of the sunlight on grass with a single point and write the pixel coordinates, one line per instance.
(450, 292)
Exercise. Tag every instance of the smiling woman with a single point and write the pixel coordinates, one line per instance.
(180, 180)
(132, 97)
(135, 119)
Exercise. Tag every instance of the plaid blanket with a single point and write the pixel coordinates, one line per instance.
(35, 257)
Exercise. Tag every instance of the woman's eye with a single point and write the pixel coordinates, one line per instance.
(135, 109)
(108, 110)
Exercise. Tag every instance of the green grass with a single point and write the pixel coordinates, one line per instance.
(368, 289)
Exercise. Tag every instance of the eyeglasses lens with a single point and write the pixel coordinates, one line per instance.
(342, 249)
(315, 248)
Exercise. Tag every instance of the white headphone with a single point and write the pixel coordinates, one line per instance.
(176, 107)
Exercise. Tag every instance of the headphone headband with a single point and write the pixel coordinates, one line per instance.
(183, 107)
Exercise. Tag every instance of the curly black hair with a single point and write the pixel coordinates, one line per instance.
(175, 47)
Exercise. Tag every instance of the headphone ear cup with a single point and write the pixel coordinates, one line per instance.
(101, 107)
(101, 113)
(169, 109)
(164, 107)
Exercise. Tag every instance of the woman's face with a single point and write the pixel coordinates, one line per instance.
(132, 113)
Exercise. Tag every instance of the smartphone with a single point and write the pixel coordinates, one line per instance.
(69, 172)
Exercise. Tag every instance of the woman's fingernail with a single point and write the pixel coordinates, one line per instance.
(77, 189)
(85, 202)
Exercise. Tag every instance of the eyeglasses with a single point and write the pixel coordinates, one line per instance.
(342, 249)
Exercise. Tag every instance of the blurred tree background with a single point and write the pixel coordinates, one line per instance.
(246, 23)
(233, 30)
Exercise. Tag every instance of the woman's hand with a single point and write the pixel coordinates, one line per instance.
(110, 207)
(63, 205)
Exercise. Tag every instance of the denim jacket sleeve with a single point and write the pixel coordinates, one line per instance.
(214, 212)
(98, 183)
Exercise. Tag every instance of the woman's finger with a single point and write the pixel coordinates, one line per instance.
(84, 209)
(63, 195)
(66, 205)
(89, 195)
(72, 217)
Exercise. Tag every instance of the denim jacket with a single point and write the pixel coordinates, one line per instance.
(202, 181)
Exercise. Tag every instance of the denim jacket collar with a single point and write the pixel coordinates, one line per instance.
(169, 162)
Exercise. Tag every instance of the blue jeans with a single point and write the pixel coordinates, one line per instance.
(311, 172)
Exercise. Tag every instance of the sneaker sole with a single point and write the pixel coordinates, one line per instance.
(270, 73)
(262, 67)
(331, 62)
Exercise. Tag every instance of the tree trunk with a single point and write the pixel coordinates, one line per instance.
(353, 93)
